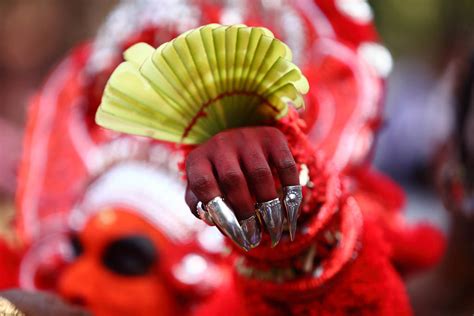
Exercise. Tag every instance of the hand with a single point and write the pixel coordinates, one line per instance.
(39, 304)
(237, 165)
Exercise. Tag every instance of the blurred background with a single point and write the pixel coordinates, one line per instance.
(34, 35)
(427, 38)
(424, 36)
(429, 41)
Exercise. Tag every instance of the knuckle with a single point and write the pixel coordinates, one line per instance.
(283, 153)
(272, 132)
(259, 174)
(200, 183)
(272, 136)
(219, 144)
(241, 132)
(220, 139)
(231, 179)
(280, 137)
(288, 165)
(191, 159)
(243, 137)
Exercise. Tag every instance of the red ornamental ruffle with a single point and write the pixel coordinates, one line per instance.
(380, 197)
(324, 205)
(366, 286)
(321, 198)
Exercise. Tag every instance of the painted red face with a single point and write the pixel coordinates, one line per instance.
(119, 269)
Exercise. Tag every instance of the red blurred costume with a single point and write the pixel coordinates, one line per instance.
(354, 243)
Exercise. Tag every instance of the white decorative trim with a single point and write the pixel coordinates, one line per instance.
(358, 10)
(132, 16)
(153, 193)
(39, 155)
(321, 24)
(378, 56)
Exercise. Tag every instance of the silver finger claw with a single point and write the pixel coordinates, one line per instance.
(271, 215)
(292, 201)
(203, 214)
(225, 219)
(252, 230)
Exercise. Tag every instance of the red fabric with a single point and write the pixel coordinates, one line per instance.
(381, 187)
(49, 149)
(369, 286)
(9, 265)
(346, 28)
(357, 275)
(414, 247)
(343, 108)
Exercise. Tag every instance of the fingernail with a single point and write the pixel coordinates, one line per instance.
(252, 230)
(203, 214)
(292, 201)
(272, 217)
(225, 219)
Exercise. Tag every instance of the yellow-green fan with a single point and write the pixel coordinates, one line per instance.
(206, 80)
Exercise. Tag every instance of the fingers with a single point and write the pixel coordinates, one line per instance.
(292, 200)
(225, 219)
(252, 230)
(201, 180)
(282, 159)
(192, 201)
(237, 165)
(261, 181)
(197, 207)
(205, 188)
(234, 185)
(259, 175)
(271, 215)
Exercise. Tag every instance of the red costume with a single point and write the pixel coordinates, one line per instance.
(354, 240)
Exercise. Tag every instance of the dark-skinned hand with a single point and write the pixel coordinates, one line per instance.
(237, 165)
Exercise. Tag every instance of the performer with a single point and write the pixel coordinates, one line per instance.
(231, 184)
(350, 230)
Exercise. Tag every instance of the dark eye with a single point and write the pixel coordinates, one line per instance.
(130, 256)
(76, 245)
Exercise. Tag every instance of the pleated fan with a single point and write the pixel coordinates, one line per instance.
(206, 80)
